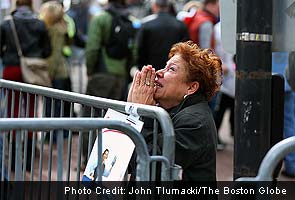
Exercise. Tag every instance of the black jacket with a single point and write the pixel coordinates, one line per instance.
(156, 37)
(32, 34)
(195, 132)
(195, 138)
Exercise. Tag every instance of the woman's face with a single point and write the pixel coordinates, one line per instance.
(171, 83)
(105, 155)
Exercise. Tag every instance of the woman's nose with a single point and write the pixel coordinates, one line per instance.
(160, 73)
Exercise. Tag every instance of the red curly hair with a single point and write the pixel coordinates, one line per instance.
(202, 66)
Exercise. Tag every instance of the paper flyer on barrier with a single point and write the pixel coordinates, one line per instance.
(117, 149)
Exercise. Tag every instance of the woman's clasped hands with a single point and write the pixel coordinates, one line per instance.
(142, 89)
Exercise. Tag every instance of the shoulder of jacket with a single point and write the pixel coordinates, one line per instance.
(181, 23)
(186, 117)
(101, 18)
(101, 14)
(194, 109)
(149, 18)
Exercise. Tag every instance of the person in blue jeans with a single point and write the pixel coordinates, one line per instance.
(279, 64)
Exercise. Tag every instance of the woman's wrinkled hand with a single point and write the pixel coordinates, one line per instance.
(142, 89)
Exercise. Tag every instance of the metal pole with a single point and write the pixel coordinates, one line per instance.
(253, 85)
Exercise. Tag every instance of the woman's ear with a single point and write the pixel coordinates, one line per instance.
(193, 87)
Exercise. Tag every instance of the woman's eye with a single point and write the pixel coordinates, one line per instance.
(171, 69)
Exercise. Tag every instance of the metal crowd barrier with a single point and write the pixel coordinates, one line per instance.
(45, 99)
(272, 159)
(47, 124)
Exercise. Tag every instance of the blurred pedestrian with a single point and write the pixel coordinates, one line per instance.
(34, 42)
(290, 70)
(280, 61)
(106, 74)
(157, 34)
(52, 14)
(188, 11)
(79, 13)
(201, 28)
(225, 99)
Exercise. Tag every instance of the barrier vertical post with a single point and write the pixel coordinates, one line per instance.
(60, 152)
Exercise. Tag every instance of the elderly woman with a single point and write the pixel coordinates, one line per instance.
(183, 88)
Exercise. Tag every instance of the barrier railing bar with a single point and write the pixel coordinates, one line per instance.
(68, 172)
(27, 112)
(3, 156)
(52, 108)
(4, 136)
(60, 137)
(271, 160)
(18, 139)
(11, 133)
(155, 142)
(9, 155)
(82, 124)
(90, 135)
(25, 154)
(99, 152)
(143, 110)
(161, 159)
(79, 155)
(42, 141)
(34, 138)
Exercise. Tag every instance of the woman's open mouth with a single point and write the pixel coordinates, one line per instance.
(157, 84)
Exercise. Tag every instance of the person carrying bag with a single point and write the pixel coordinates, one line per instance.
(34, 69)
(35, 42)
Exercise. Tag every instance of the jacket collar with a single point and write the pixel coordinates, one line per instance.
(118, 9)
(163, 13)
(24, 12)
(188, 101)
(209, 13)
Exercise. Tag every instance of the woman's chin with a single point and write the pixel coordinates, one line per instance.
(157, 95)
(156, 98)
